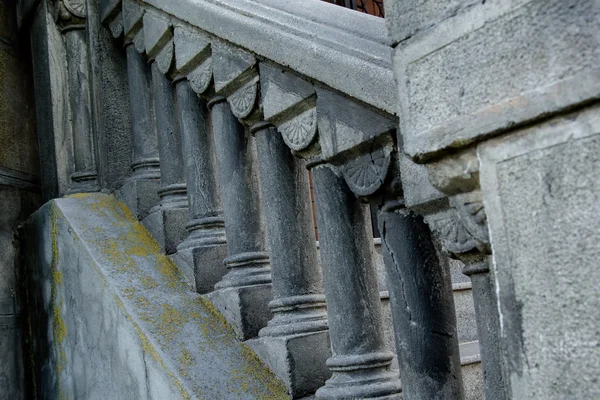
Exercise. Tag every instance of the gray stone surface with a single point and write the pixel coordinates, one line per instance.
(541, 195)
(297, 360)
(168, 227)
(11, 362)
(360, 361)
(298, 303)
(172, 192)
(51, 103)
(85, 175)
(422, 307)
(110, 102)
(245, 308)
(145, 162)
(139, 195)
(498, 64)
(248, 259)
(114, 316)
(314, 38)
(205, 248)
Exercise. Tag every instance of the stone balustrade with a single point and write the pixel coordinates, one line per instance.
(231, 102)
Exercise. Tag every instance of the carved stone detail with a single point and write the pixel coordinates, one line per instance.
(300, 131)
(242, 101)
(366, 173)
(76, 7)
(201, 77)
(164, 59)
(69, 14)
(471, 213)
(453, 236)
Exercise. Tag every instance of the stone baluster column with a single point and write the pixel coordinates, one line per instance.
(71, 21)
(422, 303)
(140, 191)
(245, 290)
(205, 247)
(360, 361)
(167, 218)
(299, 323)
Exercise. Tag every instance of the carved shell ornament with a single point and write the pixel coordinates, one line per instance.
(242, 101)
(299, 132)
(454, 237)
(75, 7)
(366, 173)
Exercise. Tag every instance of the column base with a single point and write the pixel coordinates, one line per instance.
(245, 308)
(203, 264)
(382, 385)
(139, 195)
(297, 360)
(84, 182)
(168, 227)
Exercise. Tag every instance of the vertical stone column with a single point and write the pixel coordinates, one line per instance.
(245, 290)
(72, 23)
(299, 324)
(488, 326)
(360, 361)
(422, 303)
(167, 218)
(140, 191)
(205, 247)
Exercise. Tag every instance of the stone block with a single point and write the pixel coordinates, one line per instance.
(168, 227)
(114, 316)
(542, 199)
(297, 360)
(139, 195)
(405, 19)
(472, 372)
(245, 308)
(203, 265)
(492, 66)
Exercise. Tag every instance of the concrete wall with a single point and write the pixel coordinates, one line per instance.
(19, 171)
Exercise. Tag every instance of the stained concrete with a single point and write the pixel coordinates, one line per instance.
(114, 316)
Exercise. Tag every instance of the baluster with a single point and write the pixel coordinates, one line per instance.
(73, 25)
(360, 361)
(140, 191)
(205, 247)
(243, 293)
(299, 315)
(422, 306)
(167, 218)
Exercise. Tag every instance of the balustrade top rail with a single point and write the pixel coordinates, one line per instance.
(341, 48)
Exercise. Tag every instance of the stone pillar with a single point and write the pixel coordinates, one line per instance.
(488, 326)
(422, 303)
(297, 333)
(248, 281)
(140, 191)
(167, 218)
(205, 247)
(85, 176)
(360, 361)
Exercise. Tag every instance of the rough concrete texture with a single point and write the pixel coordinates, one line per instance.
(167, 226)
(114, 316)
(497, 64)
(542, 199)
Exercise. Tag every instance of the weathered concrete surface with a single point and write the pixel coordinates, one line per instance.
(167, 227)
(113, 315)
(542, 200)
